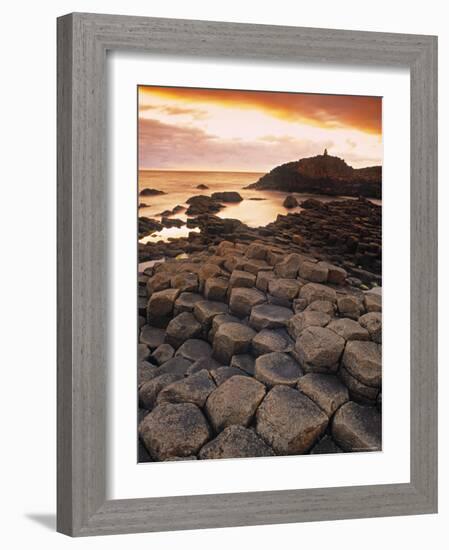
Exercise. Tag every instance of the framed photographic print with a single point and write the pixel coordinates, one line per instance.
(247, 274)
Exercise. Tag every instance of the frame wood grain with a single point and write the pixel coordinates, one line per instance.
(83, 40)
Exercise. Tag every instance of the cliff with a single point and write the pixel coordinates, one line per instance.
(324, 175)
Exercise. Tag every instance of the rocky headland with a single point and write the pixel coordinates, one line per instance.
(324, 175)
(248, 348)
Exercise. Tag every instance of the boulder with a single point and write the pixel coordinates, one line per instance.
(299, 305)
(235, 442)
(143, 352)
(215, 288)
(254, 266)
(300, 321)
(234, 402)
(325, 390)
(357, 428)
(373, 302)
(218, 320)
(181, 328)
(224, 247)
(269, 316)
(194, 349)
(336, 275)
(153, 337)
(314, 272)
(323, 306)
(243, 300)
(289, 421)
(185, 282)
(348, 329)
(193, 389)
(221, 374)
(256, 251)
(159, 281)
(242, 279)
(145, 372)
(277, 368)
(175, 365)
(315, 291)
(290, 202)
(174, 430)
(359, 392)
(163, 353)
(287, 289)
(186, 302)
(232, 339)
(289, 266)
(206, 363)
(372, 322)
(244, 362)
(268, 340)
(227, 196)
(319, 349)
(206, 310)
(149, 391)
(350, 306)
(160, 306)
(263, 279)
(364, 361)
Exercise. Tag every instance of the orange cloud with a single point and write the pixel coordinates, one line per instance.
(362, 113)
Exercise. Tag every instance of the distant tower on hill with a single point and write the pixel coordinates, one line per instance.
(325, 152)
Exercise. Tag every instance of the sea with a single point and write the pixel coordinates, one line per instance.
(257, 209)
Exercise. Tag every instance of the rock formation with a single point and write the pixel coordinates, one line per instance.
(324, 175)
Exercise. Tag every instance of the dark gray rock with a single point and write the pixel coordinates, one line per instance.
(215, 288)
(243, 300)
(348, 329)
(364, 361)
(221, 374)
(289, 421)
(143, 352)
(325, 390)
(163, 353)
(160, 306)
(357, 428)
(316, 291)
(186, 302)
(242, 279)
(206, 310)
(149, 391)
(174, 430)
(232, 339)
(300, 321)
(372, 322)
(175, 365)
(193, 349)
(357, 390)
(287, 289)
(244, 362)
(235, 442)
(319, 349)
(181, 328)
(269, 316)
(277, 368)
(234, 402)
(267, 341)
(151, 336)
(145, 372)
(193, 389)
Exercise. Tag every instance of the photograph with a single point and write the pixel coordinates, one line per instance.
(259, 276)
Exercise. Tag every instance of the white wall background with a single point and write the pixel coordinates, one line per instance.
(28, 241)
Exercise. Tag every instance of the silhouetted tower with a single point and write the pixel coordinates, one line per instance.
(325, 152)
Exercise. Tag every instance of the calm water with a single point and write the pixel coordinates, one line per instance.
(180, 186)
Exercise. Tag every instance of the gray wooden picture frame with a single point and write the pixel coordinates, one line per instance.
(83, 41)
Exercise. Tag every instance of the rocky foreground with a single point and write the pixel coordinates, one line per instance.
(247, 350)
(347, 233)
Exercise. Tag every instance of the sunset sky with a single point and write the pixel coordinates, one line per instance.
(217, 130)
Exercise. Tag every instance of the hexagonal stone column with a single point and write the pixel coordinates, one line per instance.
(289, 421)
